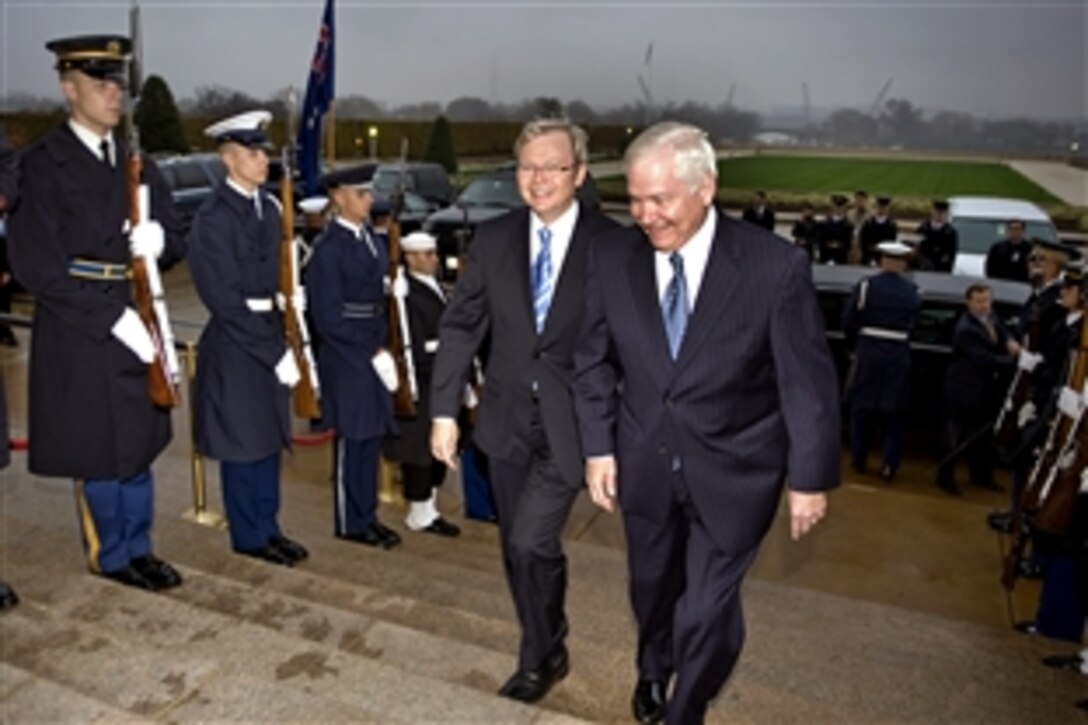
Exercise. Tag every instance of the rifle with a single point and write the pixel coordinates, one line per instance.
(163, 373)
(400, 343)
(1055, 478)
(1007, 426)
(308, 391)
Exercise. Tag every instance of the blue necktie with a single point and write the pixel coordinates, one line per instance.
(542, 279)
(674, 305)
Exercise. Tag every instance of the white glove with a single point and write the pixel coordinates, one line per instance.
(287, 370)
(1070, 402)
(386, 369)
(1026, 414)
(147, 240)
(1028, 360)
(299, 298)
(131, 331)
(400, 286)
(469, 399)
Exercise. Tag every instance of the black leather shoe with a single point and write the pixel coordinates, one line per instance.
(268, 553)
(988, 485)
(887, 473)
(1029, 569)
(1000, 521)
(156, 571)
(391, 537)
(130, 578)
(950, 488)
(8, 597)
(1081, 704)
(648, 702)
(532, 685)
(1064, 662)
(441, 527)
(373, 536)
(1026, 627)
(291, 549)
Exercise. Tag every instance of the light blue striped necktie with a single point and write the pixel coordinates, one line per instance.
(675, 307)
(541, 277)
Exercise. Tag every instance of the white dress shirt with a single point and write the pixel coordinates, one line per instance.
(93, 141)
(562, 229)
(695, 253)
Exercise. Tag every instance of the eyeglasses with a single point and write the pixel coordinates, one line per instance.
(545, 170)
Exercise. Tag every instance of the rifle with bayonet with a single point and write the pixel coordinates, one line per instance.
(400, 340)
(306, 394)
(163, 373)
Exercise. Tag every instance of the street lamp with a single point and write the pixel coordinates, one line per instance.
(372, 135)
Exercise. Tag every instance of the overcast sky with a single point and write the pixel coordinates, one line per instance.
(986, 57)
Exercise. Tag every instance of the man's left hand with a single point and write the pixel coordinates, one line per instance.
(806, 510)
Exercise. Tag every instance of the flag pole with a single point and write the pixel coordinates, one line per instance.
(330, 134)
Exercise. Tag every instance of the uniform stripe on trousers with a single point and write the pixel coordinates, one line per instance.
(341, 494)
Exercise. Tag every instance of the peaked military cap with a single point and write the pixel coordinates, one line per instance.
(940, 205)
(381, 207)
(418, 242)
(1073, 275)
(839, 200)
(357, 177)
(883, 200)
(99, 56)
(1071, 253)
(246, 129)
(894, 249)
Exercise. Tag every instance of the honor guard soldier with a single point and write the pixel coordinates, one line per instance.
(245, 372)
(880, 227)
(939, 241)
(346, 288)
(759, 213)
(806, 229)
(91, 415)
(836, 234)
(421, 473)
(880, 318)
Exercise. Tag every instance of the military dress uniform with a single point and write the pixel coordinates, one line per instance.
(938, 243)
(241, 407)
(874, 230)
(346, 292)
(880, 316)
(90, 414)
(836, 234)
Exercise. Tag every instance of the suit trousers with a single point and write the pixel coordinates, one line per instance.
(115, 517)
(251, 497)
(421, 481)
(533, 505)
(862, 422)
(685, 593)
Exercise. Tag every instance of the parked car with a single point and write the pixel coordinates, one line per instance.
(931, 345)
(428, 180)
(191, 180)
(981, 222)
(485, 197)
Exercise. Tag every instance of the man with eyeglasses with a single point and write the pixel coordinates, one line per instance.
(524, 284)
(91, 417)
(1008, 259)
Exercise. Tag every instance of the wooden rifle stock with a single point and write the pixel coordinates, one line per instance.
(160, 383)
(305, 393)
(403, 404)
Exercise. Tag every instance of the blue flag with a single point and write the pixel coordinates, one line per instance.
(320, 90)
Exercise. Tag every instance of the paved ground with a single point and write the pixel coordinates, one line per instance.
(1066, 182)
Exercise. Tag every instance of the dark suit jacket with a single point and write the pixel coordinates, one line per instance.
(493, 293)
(980, 367)
(751, 399)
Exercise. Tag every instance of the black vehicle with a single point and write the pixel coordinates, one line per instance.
(426, 179)
(485, 197)
(943, 298)
(191, 180)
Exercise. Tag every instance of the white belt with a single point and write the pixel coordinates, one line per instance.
(260, 304)
(884, 334)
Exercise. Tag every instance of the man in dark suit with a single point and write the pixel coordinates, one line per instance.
(983, 359)
(703, 380)
(245, 371)
(91, 417)
(1008, 259)
(524, 282)
(759, 213)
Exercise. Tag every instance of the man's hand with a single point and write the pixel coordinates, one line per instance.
(444, 435)
(601, 480)
(806, 510)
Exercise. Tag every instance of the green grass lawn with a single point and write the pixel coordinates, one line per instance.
(901, 179)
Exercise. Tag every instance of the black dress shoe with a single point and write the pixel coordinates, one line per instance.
(130, 578)
(1081, 704)
(1000, 521)
(291, 549)
(373, 536)
(531, 685)
(887, 473)
(441, 527)
(988, 485)
(156, 571)
(1026, 627)
(1064, 662)
(391, 537)
(268, 553)
(8, 597)
(648, 702)
(950, 488)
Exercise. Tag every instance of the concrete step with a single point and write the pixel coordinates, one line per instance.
(25, 697)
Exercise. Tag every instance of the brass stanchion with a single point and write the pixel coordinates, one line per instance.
(199, 513)
(390, 491)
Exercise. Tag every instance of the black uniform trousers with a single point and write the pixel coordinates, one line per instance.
(534, 502)
(421, 481)
(685, 593)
